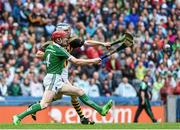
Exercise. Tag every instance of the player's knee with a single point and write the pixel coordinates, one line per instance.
(44, 104)
(80, 92)
(73, 98)
(58, 97)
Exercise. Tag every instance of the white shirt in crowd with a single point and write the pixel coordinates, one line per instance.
(36, 89)
(83, 84)
(93, 91)
(125, 90)
(3, 89)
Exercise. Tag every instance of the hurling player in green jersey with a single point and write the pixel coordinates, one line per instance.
(56, 56)
(73, 42)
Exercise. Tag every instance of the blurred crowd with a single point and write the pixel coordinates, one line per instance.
(155, 57)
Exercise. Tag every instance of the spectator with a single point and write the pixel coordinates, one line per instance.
(140, 71)
(91, 52)
(25, 87)
(93, 89)
(122, 60)
(125, 89)
(167, 89)
(103, 73)
(156, 88)
(170, 81)
(25, 25)
(36, 86)
(128, 70)
(14, 88)
(97, 82)
(177, 89)
(106, 89)
(151, 68)
(112, 63)
(83, 83)
(49, 28)
(3, 87)
(90, 29)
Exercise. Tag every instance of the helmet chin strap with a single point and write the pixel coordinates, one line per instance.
(60, 41)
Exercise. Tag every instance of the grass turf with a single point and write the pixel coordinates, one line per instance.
(168, 126)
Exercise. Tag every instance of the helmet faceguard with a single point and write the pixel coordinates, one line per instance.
(65, 27)
(62, 26)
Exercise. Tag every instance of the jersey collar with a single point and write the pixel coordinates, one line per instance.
(56, 44)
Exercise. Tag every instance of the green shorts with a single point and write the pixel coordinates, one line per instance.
(53, 82)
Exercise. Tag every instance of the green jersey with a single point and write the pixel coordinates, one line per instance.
(56, 57)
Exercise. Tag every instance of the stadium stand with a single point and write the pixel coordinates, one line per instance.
(25, 25)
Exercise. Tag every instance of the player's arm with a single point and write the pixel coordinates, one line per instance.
(84, 61)
(61, 52)
(40, 52)
(95, 43)
(76, 42)
(143, 97)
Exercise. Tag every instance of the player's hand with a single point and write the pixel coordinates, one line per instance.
(107, 45)
(40, 54)
(96, 60)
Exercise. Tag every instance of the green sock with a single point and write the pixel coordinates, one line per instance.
(84, 98)
(34, 108)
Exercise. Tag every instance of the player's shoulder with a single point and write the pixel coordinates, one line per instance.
(46, 44)
(57, 48)
(52, 48)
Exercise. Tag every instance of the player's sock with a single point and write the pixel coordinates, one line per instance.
(77, 107)
(34, 108)
(33, 115)
(84, 98)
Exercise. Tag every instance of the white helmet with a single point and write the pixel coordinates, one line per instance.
(62, 26)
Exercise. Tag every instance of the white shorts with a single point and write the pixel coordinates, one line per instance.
(53, 82)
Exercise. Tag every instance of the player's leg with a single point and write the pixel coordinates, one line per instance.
(50, 82)
(149, 110)
(138, 112)
(56, 97)
(76, 105)
(70, 90)
(46, 100)
(33, 115)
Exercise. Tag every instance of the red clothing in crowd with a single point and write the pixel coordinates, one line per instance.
(112, 64)
(177, 89)
(92, 53)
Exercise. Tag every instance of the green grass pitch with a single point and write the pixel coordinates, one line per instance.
(130, 126)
